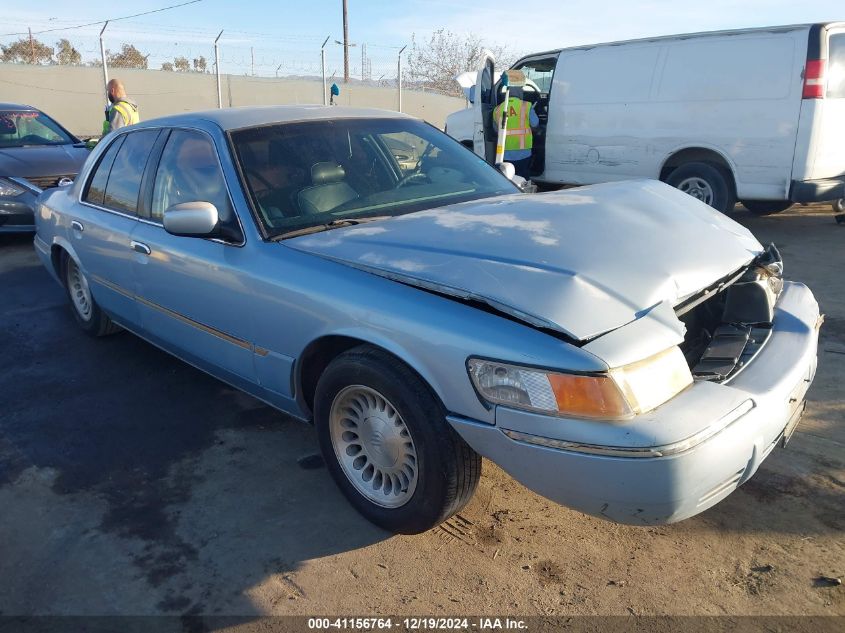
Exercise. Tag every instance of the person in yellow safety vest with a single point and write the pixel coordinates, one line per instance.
(520, 138)
(122, 111)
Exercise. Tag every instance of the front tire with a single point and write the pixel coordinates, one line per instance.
(707, 183)
(387, 444)
(839, 206)
(766, 207)
(86, 311)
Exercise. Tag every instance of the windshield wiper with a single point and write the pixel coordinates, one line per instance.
(334, 224)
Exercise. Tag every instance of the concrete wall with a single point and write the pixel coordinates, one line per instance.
(75, 97)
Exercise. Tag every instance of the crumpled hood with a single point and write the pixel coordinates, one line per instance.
(583, 261)
(52, 160)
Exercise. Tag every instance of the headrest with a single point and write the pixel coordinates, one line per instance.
(322, 173)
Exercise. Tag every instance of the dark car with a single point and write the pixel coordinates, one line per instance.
(36, 153)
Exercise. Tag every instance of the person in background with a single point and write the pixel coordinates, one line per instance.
(122, 111)
(521, 118)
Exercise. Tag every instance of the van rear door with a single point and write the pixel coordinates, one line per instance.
(819, 168)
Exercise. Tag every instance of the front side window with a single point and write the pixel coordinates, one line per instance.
(124, 182)
(190, 172)
(301, 175)
(23, 128)
(539, 72)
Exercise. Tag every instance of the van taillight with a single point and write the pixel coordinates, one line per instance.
(814, 79)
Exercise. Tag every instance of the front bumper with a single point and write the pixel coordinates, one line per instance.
(823, 190)
(679, 459)
(17, 215)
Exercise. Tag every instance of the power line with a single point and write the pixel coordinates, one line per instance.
(126, 17)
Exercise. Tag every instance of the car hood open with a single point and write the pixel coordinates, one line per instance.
(582, 262)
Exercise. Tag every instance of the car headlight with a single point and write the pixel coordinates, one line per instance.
(9, 189)
(617, 394)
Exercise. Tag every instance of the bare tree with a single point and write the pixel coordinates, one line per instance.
(200, 64)
(26, 51)
(66, 53)
(435, 64)
(182, 65)
(128, 57)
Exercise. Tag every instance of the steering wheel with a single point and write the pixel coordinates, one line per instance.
(32, 139)
(411, 178)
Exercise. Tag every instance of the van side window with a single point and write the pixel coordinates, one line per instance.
(539, 72)
(96, 189)
(836, 70)
(124, 182)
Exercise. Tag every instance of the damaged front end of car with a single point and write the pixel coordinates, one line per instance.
(728, 323)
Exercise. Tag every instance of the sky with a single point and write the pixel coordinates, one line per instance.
(285, 36)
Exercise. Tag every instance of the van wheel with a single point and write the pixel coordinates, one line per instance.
(766, 207)
(707, 183)
(387, 444)
(839, 206)
(86, 311)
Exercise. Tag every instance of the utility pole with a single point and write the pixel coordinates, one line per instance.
(32, 48)
(363, 62)
(252, 58)
(217, 69)
(345, 44)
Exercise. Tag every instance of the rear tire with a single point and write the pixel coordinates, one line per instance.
(86, 311)
(766, 207)
(387, 444)
(839, 206)
(708, 183)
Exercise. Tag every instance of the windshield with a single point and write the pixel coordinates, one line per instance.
(19, 128)
(300, 175)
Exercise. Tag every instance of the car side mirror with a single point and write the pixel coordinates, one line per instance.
(191, 219)
(471, 94)
(508, 170)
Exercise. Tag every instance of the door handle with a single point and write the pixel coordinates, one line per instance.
(140, 247)
(76, 226)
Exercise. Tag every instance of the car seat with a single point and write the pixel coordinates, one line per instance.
(328, 191)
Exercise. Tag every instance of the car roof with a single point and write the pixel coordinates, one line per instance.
(17, 106)
(252, 116)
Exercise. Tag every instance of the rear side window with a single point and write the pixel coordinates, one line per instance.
(836, 70)
(124, 181)
(97, 185)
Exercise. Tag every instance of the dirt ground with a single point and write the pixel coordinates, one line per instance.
(131, 483)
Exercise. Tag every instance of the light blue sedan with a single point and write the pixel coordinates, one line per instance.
(622, 348)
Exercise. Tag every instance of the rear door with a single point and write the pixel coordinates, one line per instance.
(484, 139)
(820, 152)
(103, 223)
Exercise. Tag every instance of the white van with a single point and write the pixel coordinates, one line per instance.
(756, 115)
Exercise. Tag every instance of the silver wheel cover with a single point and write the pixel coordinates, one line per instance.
(80, 294)
(373, 446)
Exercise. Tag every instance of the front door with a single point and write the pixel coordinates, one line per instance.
(484, 132)
(191, 292)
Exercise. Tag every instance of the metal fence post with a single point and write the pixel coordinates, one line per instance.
(323, 65)
(105, 66)
(399, 75)
(217, 68)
